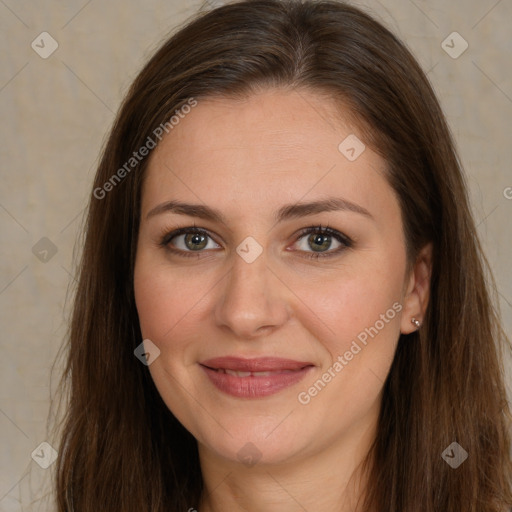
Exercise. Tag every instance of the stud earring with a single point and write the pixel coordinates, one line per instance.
(415, 322)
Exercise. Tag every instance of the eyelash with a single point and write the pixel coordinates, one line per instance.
(340, 237)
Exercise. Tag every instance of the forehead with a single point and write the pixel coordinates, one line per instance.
(272, 121)
(273, 147)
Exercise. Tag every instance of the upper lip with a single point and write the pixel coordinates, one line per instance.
(259, 364)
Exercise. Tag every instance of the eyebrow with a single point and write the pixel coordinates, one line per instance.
(291, 211)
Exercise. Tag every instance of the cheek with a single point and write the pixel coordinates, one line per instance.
(164, 298)
(166, 310)
(360, 315)
(155, 307)
(362, 297)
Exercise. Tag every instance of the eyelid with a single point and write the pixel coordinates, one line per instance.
(326, 230)
(169, 235)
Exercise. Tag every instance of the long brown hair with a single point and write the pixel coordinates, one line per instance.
(122, 450)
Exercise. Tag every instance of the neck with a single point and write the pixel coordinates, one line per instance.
(330, 480)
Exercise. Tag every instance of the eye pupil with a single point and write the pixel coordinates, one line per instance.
(317, 238)
(195, 239)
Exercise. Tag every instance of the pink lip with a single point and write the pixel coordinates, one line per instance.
(282, 374)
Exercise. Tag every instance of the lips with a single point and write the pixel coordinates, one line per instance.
(261, 364)
(253, 378)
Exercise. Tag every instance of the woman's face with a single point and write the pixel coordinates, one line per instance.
(319, 315)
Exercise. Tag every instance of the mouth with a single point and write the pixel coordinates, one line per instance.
(249, 374)
(254, 378)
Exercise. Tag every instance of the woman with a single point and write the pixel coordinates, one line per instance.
(332, 344)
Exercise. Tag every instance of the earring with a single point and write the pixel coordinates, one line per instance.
(415, 322)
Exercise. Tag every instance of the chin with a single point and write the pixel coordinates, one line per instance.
(256, 442)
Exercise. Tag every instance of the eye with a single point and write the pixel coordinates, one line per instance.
(322, 238)
(191, 241)
(188, 241)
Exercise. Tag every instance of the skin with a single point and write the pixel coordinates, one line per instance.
(247, 158)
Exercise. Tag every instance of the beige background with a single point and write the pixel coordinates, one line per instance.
(56, 112)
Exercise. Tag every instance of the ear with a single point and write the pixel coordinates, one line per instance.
(417, 291)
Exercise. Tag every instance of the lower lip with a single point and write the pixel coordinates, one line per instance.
(254, 386)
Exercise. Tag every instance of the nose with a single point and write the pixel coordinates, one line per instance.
(253, 300)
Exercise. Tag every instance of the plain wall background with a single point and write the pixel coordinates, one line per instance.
(57, 111)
